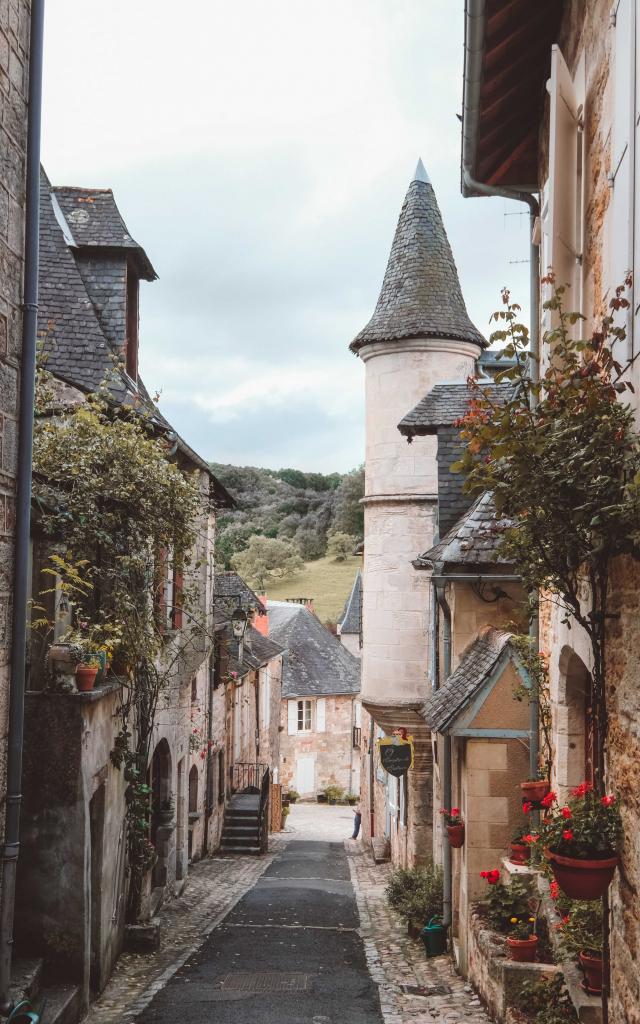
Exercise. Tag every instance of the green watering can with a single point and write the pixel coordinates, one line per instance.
(23, 1013)
(434, 936)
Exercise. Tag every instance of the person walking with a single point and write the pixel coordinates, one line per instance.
(357, 819)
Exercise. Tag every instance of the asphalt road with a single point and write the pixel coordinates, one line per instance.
(288, 953)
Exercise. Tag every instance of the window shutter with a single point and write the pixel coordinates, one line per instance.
(292, 714)
(321, 714)
(563, 247)
(622, 166)
(358, 714)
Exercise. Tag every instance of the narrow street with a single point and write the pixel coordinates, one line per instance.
(289, 951)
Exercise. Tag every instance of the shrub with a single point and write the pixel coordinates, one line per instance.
(334, 793)
(546, 1002)
(581, 928)
(505, 902)
(416, 893)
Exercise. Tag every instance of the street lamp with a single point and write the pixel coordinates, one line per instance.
(238, 624)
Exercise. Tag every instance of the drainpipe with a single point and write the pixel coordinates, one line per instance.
(474, 30)
(372, 791)
(447, 902)
(23, 504)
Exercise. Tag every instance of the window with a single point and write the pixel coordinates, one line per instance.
(265, 685)
(131, 339)
(193, 790)
(169, 590)
(194, 689)
(221, 779)
(304, 716)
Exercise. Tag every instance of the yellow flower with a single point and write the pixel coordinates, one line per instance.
(514, 920)
(532, 919)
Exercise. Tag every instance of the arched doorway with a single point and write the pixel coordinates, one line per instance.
(162, 810)
(575, 754)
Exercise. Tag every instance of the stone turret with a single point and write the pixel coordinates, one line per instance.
(419, 335)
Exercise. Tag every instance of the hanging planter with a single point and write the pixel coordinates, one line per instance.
(523, 950)
(456, 835)
(582, 879)
(592, 965)
(534, 790)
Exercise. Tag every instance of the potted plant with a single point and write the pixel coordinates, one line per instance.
(535, 788)
(86, 673)
(321, 798)
(580, 841)
(284, 814)
(334, 793)
(352, 799)
(454, 825)
(165, 812)
(293, 796)
(521, 845)
(416, 894)
(522, 939)
(581, 940)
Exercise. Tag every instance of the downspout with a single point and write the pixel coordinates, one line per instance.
(474, 30)
(372, 792)
(23, 503)
(447, 901)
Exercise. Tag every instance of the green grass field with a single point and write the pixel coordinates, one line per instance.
(328, 582)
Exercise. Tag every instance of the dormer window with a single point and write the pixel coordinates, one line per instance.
(131, 340)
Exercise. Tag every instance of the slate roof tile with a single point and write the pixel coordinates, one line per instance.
(350, 620)
(473, 543)
(421, 295)
(447, 403)
(475, 668)
(315, 662)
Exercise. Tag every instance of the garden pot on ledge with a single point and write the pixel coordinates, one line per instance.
(523, 951)
(456, 835)
(582, 879)
(592, 966)
(535, 790)
(85, 677)
(520, 853)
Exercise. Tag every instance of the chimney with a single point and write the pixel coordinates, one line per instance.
(261, 622)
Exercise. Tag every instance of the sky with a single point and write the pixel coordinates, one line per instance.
(260, 153)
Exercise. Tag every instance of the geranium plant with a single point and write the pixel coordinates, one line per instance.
(505, 902)
(451, 817)
(587, 827)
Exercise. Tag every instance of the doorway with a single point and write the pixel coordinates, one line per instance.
(96, 828)
(306, 774)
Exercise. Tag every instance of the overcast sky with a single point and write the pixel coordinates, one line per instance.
(260, 152)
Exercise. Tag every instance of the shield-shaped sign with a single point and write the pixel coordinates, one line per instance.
(396, 755)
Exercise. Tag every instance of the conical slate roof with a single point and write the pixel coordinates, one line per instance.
(421, 295)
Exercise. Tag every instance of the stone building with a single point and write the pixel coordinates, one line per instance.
(73, 825)
(320, 708)
(14, 68)
(568, 133)
(419, 335)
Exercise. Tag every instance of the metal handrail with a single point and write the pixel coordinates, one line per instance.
(246, 776)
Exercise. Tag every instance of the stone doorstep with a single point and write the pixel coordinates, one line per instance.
(142, 938)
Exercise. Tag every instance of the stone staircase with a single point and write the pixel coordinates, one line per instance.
(57, 1003)
(241, 828)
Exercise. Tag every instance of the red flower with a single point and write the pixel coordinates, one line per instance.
(566, 812)
(530, 838)
(607, 801)
(527, 807)
(554, 890)
(567, 834)
(549, 799)
(455, 812)
(492, 877)
(565, 919)
(202, 755)
(582, 789)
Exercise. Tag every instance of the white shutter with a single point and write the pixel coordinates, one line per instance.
(292, 713)
(620, 231)
(266, 691)
(564, 220)
(321, 714)
(358, 714)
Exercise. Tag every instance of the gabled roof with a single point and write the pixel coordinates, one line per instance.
(315, 662)
(477, 664)
(421, 295)
(229, 585)
(95, 222)
(447, 403)
(473, 544)
(351, 619)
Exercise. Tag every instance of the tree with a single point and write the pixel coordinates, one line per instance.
(349, 510)
(266, 559)
(341, 545)
(311, 543)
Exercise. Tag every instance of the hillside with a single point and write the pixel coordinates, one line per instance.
(326, 581)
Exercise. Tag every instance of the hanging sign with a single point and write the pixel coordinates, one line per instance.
(396, 753)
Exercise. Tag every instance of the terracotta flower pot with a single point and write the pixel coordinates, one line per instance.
(592, 967)
(582, 879)
(85, 677)
(535, 791)
(523, 950)
(520, 853)
(456, 835)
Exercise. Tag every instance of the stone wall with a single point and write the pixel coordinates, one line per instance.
(337, 762)
(14, 57)
(270, 728)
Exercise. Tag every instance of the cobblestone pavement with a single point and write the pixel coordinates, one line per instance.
(395, 960)
(213, 888)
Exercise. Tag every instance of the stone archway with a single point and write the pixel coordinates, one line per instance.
(573, 726)
(162, 813)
